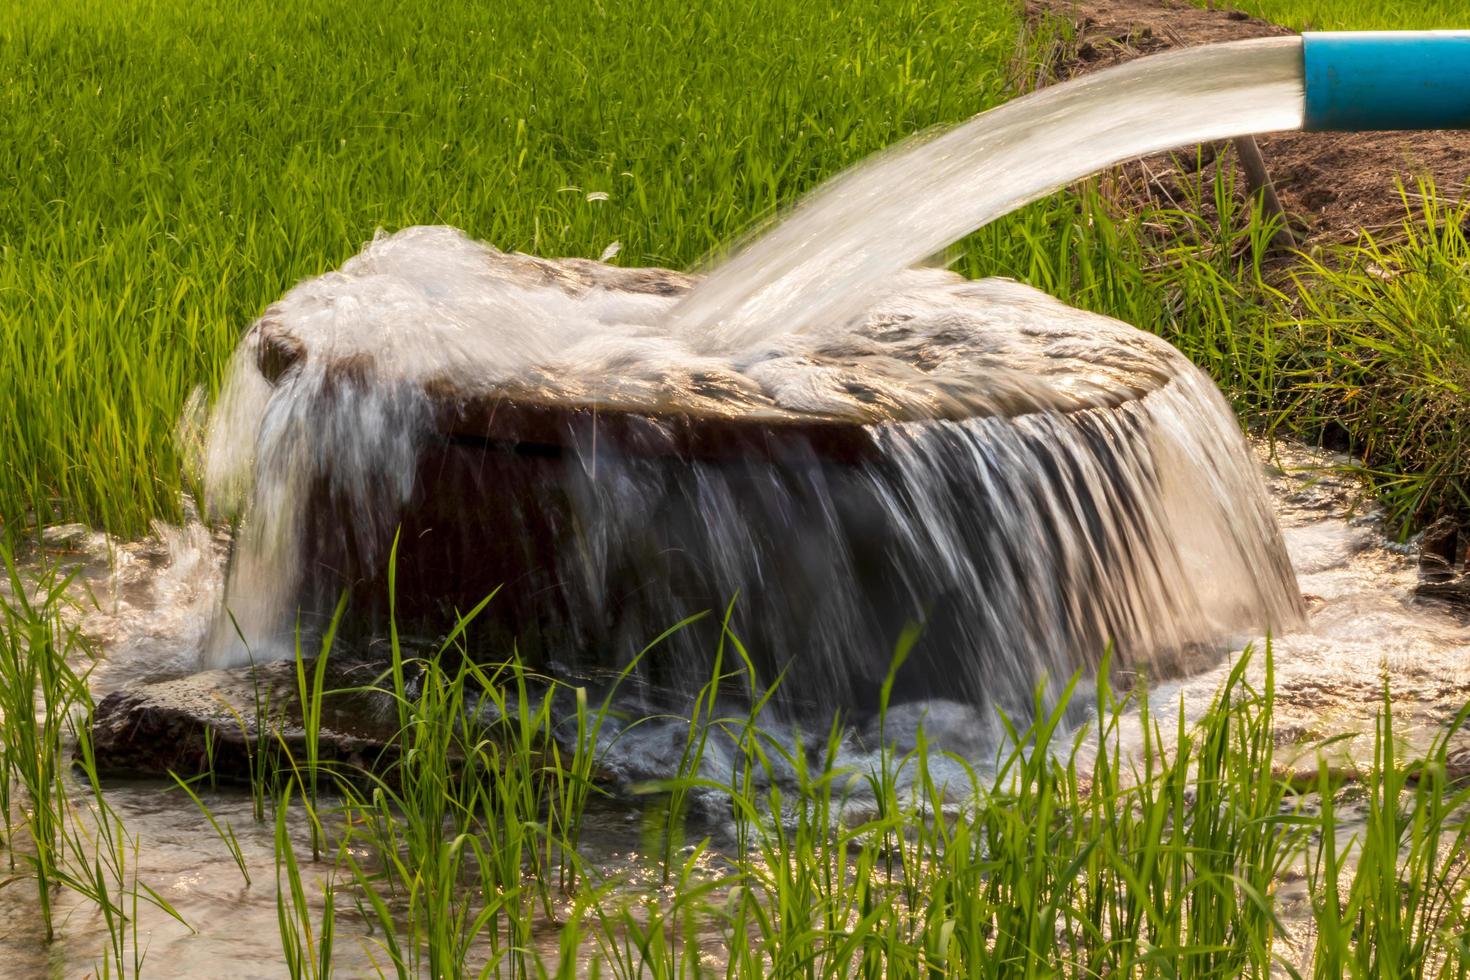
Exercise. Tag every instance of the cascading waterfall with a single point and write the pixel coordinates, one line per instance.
(1021, 545)
(846, 445)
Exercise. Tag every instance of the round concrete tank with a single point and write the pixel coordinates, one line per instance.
(1026, 482)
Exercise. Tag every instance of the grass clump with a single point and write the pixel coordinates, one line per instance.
(1363, 347)
(161, 194)
(1140, 843)
(1356, 15)
(1379, 358)
(1140, 846)
(1403, 913)
(60, 831)
(39, 689)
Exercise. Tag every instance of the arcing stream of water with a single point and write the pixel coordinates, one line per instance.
(821, 264)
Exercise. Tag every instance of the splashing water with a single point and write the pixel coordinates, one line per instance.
(1030, 481)
(819, 266)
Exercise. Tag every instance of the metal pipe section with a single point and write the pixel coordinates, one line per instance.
(1381, 80)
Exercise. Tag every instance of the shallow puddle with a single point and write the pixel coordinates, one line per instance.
(147, 606)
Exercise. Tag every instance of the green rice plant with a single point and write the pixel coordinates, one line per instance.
(420, 819)
(160, 195)
(1380, 357)
(1140, 843)
(74, 841)
(102, 867)
(106, 883)
(307, 946)
(1359, 15)
(172, 167)
(476, 818)
(260, 751)
(259, 736)
(38, 691)
(573, 786)
(7, 774)
(225, 832)
(1156, 862)
(209, 766)
(701, 717)
(377, 866)
(311, 694)
(651, 938)
(1404, 911)
(799, 898)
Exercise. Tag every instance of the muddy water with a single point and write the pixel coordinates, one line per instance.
(148, 602)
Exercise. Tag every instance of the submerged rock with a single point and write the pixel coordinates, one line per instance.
(219, 720)
(1454, 594)
(1439, 550)
(1443, 576)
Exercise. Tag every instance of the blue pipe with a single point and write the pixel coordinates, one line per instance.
(1367, 80)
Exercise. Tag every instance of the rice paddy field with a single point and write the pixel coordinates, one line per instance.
(1393, 15)
(173, 168)
(169, 168)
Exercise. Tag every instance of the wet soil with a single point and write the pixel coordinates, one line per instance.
(1334, 185)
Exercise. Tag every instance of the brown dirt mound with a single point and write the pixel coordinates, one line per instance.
(1336, 184)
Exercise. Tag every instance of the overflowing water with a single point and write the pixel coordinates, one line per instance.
(1033, 483)
(147, 604)
(1027, 481)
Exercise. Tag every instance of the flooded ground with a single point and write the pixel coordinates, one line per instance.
(150, 612)
(1366, 627)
